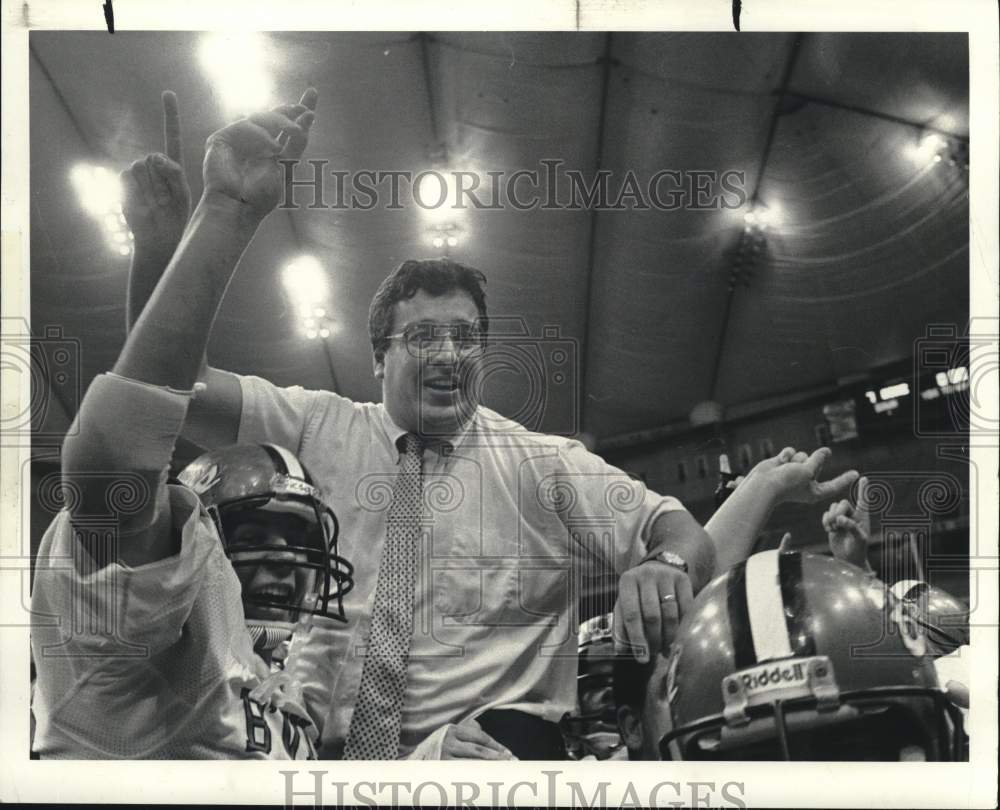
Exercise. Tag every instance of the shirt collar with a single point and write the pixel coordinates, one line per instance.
(443, 447)
(393, 432)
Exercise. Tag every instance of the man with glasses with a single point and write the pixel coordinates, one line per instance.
(491, 654)
(470, 535)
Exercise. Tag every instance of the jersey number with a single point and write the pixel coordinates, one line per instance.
(259, 733)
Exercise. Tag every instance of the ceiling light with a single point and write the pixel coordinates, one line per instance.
(100, 191)
(237, 64)
(927, 149)
(435, 196)
(305, 282)
(769, 214)
(761, 216)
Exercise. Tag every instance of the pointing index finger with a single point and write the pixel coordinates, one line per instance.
(862, 512)
(309, 98)
(835, 486)
(171, 126)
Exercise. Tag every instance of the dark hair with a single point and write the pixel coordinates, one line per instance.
(436, 277)
(630, 679)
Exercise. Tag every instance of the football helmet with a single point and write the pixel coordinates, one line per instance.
(592, 729)
(943, 617)
(246, 482)
(801, 656)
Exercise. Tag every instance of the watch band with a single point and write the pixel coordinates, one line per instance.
(670, 558)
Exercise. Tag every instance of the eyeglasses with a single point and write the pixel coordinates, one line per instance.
(424, 339)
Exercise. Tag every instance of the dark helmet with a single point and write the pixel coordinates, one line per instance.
(241, 479)
(943, 617)
(801, 656)
(592, 728)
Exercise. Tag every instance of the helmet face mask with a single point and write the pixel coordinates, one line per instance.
(802, 657)
(592, 729)
(280, 537)
(878, 725)
(944, 619)
(278, 558)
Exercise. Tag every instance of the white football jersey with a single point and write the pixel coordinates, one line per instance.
(153, 662)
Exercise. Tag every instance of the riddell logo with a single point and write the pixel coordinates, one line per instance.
(292, 486)
(766, 677)
(206, 480)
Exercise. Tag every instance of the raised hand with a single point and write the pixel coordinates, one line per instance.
(156, 197)
(792, 476)
(242, 159)
(848, 528)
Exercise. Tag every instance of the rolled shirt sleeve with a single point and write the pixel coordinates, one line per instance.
(599, 495)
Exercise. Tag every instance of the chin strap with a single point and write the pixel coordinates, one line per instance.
(282, 691)
(265, 638)
(279, 689)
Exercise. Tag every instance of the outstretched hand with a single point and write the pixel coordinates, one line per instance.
(790, 476)
(848, 528)
(793, 476)
(156, 198)
(242, 159)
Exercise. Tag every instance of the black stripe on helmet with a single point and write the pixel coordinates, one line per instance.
(275, 456)
(739, 617)
(916, 591)
(798, 614)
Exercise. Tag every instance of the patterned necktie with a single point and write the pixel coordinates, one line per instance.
(375, 725)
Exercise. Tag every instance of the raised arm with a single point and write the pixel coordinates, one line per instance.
(788, 477)
(156, 202)
(130, 419)
(848, 529)
(242, 185)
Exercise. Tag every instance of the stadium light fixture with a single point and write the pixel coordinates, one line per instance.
(238, 65)
(927, 150)
(763, 216)
(100, 193)
(435, 195)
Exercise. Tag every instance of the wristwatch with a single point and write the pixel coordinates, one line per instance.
(668, 557)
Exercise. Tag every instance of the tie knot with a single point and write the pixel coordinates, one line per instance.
(410, 444)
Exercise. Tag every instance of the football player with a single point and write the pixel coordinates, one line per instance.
(792, 656)
(160, 609)
(149, 642)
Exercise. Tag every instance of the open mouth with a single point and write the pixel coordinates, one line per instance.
(274, 592)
